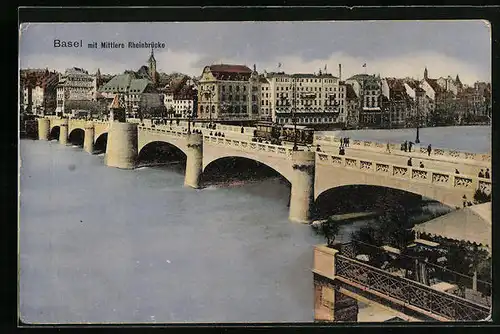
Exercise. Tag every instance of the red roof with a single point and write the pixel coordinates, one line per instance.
(231, 72)
(230, 68)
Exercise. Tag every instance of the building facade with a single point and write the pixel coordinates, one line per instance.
(228, 92)
(38, 89)
(75, 85)
(180, 98)
(307, 99)
(369, 90)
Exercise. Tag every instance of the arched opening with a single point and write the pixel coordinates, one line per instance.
(373, 215)
(367, 198)
(101, 143)
(76, 137)
(259, 178)
(159, 153)
(54, 133)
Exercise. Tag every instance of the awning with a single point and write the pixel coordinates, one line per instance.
(472, 224)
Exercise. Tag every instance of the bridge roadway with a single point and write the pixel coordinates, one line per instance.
(309, 173)
(466, 167)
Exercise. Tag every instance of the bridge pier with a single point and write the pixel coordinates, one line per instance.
(43, 129)
(121, 149)
(194, 162)
(302, 193)
(63, 133)
(88, 141)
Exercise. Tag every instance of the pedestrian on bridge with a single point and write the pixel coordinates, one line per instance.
(456, 171)
(487, 173)
(481, 173)
(409, 162)
(388, 148)
(421, 164)
(405, 146)
(410, 144)
(429, 149)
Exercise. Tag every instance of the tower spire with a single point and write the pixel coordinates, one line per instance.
(426, 73)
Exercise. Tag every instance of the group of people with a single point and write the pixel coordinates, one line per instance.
(410, 163)
(485, 175)
(217, 134)
(197, 131)
(344, 141)
(406, 146)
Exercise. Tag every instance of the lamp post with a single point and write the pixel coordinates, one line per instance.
(189, 116)
(417, 139)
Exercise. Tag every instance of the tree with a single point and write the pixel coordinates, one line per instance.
(329, 229)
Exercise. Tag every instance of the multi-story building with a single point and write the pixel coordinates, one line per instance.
(180, 98)
(369, 89)
(228, 92)
(137, 88)
(396, 103)
(266, 99)
(307, 99)
(38, 89)
(451, 85)
(353, 108)
(75, 85)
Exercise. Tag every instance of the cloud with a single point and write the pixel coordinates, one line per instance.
(411, 65)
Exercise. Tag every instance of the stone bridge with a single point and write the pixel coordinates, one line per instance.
(309, 173)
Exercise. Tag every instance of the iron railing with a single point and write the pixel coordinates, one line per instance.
(409, 292)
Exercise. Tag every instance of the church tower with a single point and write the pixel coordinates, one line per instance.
(152, 67)
(426, 74)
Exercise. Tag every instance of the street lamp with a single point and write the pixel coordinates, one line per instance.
(189, 116)
(417, 139)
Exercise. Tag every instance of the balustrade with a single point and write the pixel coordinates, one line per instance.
(409, 292)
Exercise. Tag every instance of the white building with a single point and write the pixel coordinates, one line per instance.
(266, 99)
(309, 98)
(75, 84)
(180, 98)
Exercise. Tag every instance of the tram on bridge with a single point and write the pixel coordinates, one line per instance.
(276, 133)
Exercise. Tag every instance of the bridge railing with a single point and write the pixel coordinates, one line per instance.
(249, 145)
(155, 130)
(430, 176)
(438, 152)
(408, 292)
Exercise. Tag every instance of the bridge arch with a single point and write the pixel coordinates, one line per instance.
(240, 163)
(281, 165)
(101, 142)
(54, 132)
(77, 136)
(160, 151)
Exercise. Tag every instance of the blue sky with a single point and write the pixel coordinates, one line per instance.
(389, 48)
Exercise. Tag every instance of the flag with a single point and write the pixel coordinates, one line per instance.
(364, 65)
(279, 65)
(325, 67)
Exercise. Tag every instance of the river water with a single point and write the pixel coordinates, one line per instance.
(475, 138)
(100, 244)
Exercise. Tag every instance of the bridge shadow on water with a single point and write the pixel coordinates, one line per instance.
(162, 154)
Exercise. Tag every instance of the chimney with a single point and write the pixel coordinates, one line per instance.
(340, 72)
